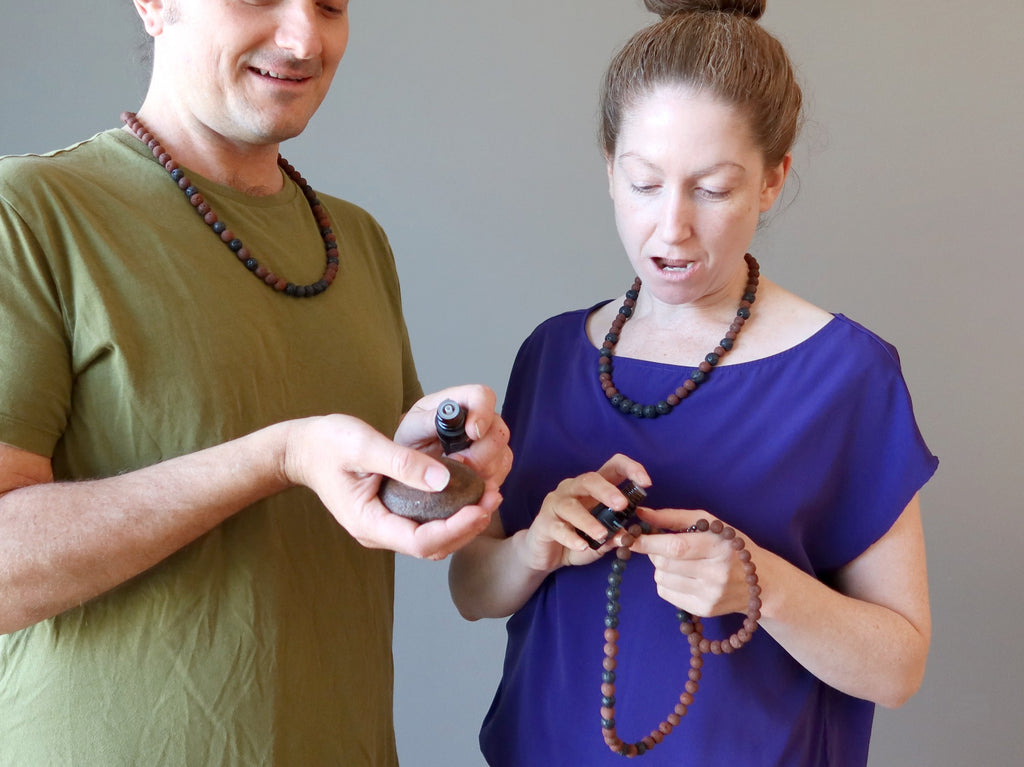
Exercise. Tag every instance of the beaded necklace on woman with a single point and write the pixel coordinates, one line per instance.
(689, 625)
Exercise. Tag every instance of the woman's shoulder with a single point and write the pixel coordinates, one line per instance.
(779, 321)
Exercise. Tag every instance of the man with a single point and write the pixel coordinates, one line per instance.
(194, 565)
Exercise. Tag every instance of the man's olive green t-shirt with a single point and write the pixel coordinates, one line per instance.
(130, 334)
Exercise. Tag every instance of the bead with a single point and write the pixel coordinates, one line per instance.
(663, 407)
(195, 198)
(689, 625)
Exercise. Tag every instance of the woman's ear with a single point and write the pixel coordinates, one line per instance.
(774, 180)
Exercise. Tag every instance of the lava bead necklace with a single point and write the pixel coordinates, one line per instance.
(664, 407)
(689, 625)
(224, 232)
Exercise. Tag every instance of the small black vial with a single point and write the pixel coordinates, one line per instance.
(451, 427)
(615, 520)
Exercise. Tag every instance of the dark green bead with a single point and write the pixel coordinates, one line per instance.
(611, 622)
(684, 617)
(743, 312)
(612, 592)
(663, 408)
(607, 702)
(641, 748)
(626, 311)
(612, 338)
(637, 409)
(252, 264)
(726, 343)
(650, 411)
(618, 566)
(235, 245)
(218, 226)
(712, 359)
(626, 405)
(614, 579)
(612, 608)
(608, 677)
(607, 724)
(604, 368)
(697, 376)
(749, 297)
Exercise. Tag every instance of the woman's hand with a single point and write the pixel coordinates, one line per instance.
(553, 540)
(697, 572)
(488, 455)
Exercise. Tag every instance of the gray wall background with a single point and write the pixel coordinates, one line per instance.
(467, 129)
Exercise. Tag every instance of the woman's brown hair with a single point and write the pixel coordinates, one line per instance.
(715, 47)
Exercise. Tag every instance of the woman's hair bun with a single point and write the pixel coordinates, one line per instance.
(753, 9)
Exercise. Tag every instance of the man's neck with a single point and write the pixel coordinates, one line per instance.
(249, 168)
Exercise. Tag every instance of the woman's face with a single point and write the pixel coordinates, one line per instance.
(688, 185)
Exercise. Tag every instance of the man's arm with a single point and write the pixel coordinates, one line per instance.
(63, 543)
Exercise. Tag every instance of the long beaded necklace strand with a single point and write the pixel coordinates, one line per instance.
(664, 407)
(689, 625)
(228, 237)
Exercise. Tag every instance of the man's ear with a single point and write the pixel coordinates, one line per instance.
(153, 14)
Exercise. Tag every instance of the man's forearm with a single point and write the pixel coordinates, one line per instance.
(64, 543)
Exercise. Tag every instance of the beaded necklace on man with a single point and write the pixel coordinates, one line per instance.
(224, 233)
(689, 625)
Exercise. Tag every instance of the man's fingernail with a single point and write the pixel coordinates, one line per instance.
(437, 477)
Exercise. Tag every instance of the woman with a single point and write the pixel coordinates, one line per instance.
(795, 430)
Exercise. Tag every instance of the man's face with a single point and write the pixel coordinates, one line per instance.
(250, 71)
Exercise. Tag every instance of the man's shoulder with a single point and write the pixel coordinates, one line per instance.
(90, 156)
